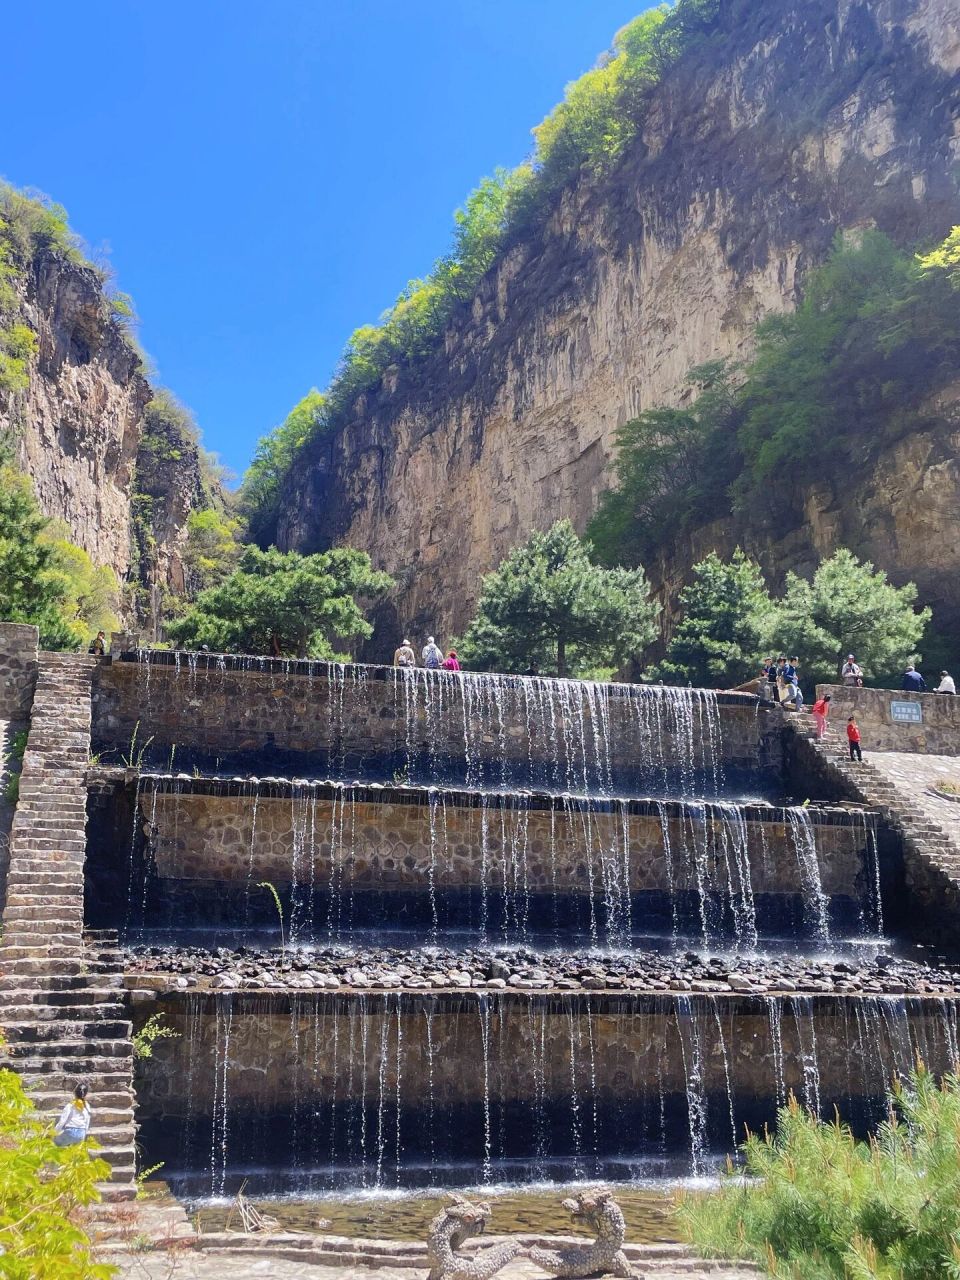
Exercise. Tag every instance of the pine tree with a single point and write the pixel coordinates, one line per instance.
(719, 638)
(547, 605)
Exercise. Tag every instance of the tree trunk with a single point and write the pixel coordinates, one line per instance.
(561, 657)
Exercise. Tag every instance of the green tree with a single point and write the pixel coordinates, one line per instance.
(672, 467)
(720, 635)
(547, 604)
(213, 546)
(848, 607)
(41, 1188)
(90, 593)
(283, 603)
(816, 1204)
(32, 588)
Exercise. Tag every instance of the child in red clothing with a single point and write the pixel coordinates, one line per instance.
(820, 710)
(853, 739)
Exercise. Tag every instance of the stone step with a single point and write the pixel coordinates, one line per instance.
(45, 1013)
(36, 963)
(65, 1032)
(64, 1050)
(55, 908)
(106, 1101)
(85, 1065)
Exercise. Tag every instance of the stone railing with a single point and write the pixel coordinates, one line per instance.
(892, 720)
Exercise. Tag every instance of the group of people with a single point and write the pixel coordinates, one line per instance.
(913, 682)
(780, 682)
(431, 657)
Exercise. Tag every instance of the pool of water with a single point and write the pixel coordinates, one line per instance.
(375, 1215)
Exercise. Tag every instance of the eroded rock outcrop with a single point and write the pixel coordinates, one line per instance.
(798, 120)
(81, 432)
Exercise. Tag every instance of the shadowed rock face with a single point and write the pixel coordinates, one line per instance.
(80, 428)
(804, 118)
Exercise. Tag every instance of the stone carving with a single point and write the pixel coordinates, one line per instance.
(600, 1212)
(448, 1231)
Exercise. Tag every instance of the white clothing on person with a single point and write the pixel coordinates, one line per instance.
(852, 673)
(946, 685)
(73, 1125)
(432, 655)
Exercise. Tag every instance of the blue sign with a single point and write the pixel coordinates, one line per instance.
(906, 712)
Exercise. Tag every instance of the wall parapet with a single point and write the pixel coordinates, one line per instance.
(895, 720)
(19, 645)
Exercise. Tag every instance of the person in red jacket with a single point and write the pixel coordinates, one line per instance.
(853, 738)
(820, 710)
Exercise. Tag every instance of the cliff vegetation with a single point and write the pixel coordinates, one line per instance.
(117, 461)
(851, 370)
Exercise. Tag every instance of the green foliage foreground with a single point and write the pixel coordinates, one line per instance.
(825, 1206)
(42, 1186)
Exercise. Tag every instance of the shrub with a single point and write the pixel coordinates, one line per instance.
(42, 1187)
(818, 1204)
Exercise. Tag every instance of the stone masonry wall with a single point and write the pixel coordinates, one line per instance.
(346, 719)
(18, 670)
(405, 843)
(284, 1049)
(937, 732)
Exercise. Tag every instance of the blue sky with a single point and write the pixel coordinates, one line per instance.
(267, 176)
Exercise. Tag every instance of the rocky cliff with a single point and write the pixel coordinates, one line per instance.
(81, 429)
(796, 120)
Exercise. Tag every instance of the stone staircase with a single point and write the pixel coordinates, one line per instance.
(931, 856)
(63, 1006)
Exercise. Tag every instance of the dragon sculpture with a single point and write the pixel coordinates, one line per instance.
(600, 1212)
(449, 1229)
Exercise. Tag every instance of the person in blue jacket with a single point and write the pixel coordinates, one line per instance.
(913, 681)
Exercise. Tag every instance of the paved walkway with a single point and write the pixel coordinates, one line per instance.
(220, 1266)
(915, 774)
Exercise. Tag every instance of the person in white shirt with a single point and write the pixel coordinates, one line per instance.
(74, 1123)
(946, 684)
(432, 654)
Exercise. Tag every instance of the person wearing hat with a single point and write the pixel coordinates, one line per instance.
(852, 673)
(404, 656)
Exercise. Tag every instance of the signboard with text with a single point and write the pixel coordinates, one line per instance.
(906, 713)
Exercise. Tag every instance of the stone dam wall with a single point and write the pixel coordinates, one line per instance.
(386, 1079)
(319, 719)
(893, 720)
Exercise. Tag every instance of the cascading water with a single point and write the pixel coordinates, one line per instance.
(387, 1091)
(440, 810)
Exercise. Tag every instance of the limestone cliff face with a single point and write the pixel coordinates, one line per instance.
(79, 430)
(801, 119)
